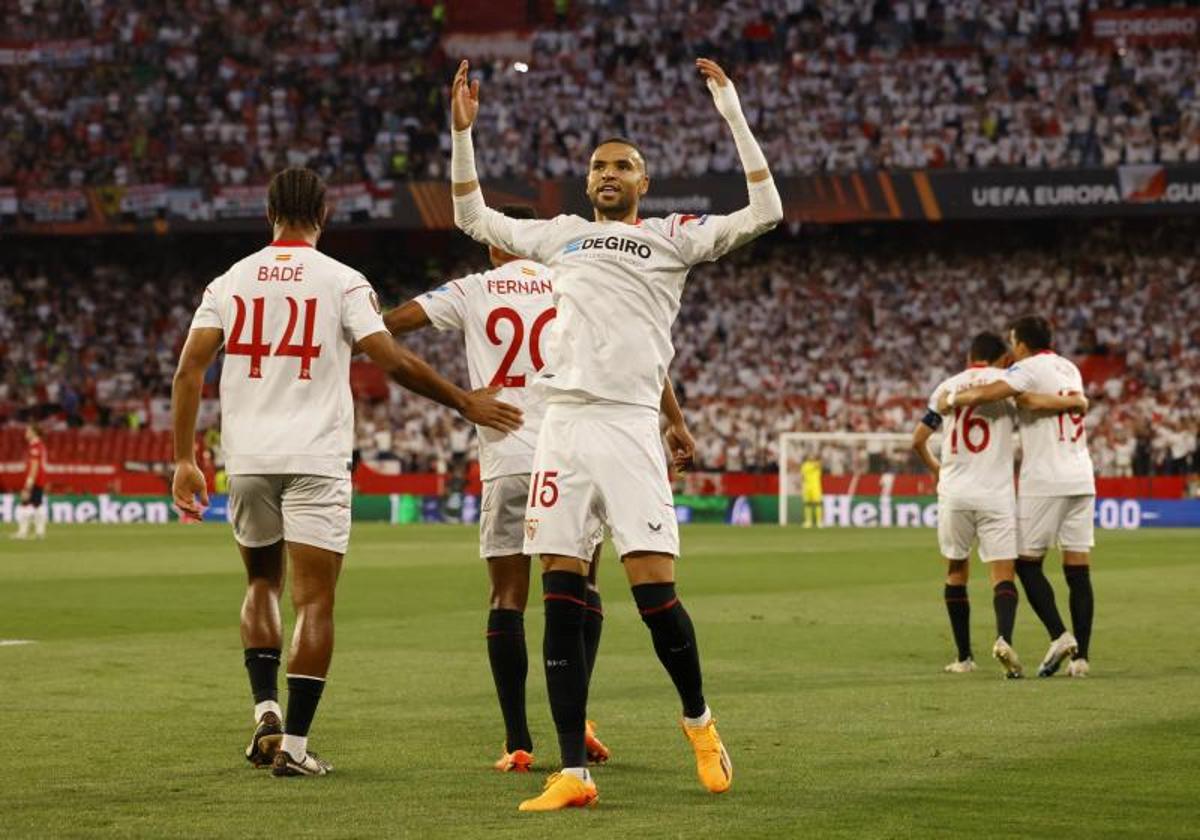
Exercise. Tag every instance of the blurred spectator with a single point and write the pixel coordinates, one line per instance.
(209, 93)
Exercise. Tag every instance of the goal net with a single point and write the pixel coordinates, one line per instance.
(867, 479)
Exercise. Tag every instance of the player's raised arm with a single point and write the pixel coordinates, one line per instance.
(199, 351)
(1053, 403)
(412, 372)
(715, 236)
(980, 394)
(471, 214)
(406, 318)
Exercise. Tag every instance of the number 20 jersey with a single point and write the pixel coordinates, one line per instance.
(505, 315)
(291, 316)
(977, 447)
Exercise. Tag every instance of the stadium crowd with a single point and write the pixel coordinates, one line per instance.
(854, 338)
(160, 93)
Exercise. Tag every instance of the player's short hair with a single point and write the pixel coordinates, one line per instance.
(987, 347)
(33, 427)
(518, 211)
(1034, 332)
(624, 141)
(296, 196)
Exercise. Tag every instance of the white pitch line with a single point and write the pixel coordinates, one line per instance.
(15, 642)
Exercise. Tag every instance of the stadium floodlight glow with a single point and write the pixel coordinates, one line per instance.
(520, 66)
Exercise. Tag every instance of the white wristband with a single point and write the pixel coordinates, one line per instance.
(462, 157)
(953, 397)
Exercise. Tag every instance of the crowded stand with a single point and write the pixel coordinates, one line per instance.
(124, 93)
(854, 338)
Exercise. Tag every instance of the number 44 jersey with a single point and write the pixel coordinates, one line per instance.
(977, 447)
(291, 317)
(504, 315)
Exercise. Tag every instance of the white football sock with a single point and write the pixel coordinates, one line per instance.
(296, 746)
(39, 520)
(265, 706)
(699, 721)
(24, 515)
(580, 773)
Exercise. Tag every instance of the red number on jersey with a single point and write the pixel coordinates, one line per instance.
(257, 349)
(1076, 418)
(548, 495)
(307, 351)
(503, 378)
(970, 423)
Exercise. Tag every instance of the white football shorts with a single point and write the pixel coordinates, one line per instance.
(600, 464)
(502, 515)
(309, 509)
(1063, 521)
(995, 530)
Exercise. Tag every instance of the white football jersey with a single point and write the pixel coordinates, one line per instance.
(1055, 459)
(977, 447)
(617, 288)
(291, 316)
(504, 315)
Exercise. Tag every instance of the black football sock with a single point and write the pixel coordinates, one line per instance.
(1040, 595)
(958, 607)
(304, 693)
(262, 664)
(510, 664)
(674, 641)
(593, 624)
(565, 596)
(1004, 600)
(1079, 581)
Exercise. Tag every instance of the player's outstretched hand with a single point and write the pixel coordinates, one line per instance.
(682, 446)
(484, 409)
(464, 98)
(186, 486)
(721, 88)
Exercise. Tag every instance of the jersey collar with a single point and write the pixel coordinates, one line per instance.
(290, 243)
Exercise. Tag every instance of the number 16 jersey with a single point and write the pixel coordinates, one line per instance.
(977, 447)
(504, 315)
(291, 316)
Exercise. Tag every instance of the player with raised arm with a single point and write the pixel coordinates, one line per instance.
(1057, 499)
(290, 318)
(976, 497)
(617, 285)
(503, 315)
(32, 507)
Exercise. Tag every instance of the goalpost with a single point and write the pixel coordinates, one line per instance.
(843, 453)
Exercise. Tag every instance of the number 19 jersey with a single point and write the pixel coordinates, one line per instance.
(977, 448)
(1055, 459)
(291, 316)
(504, 315)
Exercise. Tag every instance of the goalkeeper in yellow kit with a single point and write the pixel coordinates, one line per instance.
(810, 471)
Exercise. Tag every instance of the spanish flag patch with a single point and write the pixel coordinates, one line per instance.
(528, 271)
(282, 257)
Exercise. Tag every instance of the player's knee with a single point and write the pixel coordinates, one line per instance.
(654, 600)
(508, 595)
(957, 573)
(258, 588)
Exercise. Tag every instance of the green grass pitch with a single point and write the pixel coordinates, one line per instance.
(822, 653)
